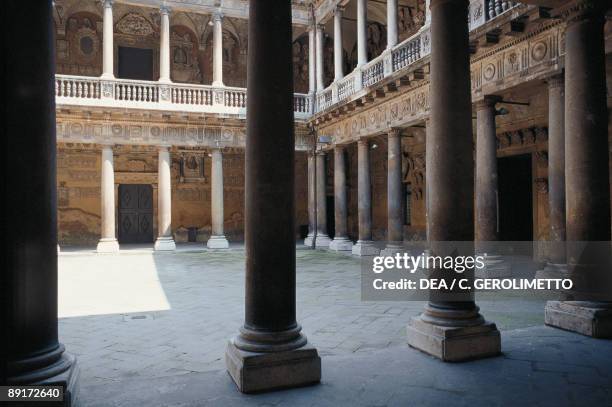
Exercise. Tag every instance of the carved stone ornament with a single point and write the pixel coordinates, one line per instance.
(134, 24)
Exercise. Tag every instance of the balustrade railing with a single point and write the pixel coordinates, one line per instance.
(496, 7)
(125, 93)
(406, 54)
(373, 72)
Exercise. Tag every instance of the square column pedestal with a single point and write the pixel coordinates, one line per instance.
(256, 372)
(586, 318)
(454, 344)
(107, 246)
(341, 244)
(365, 248)
(165, 244)
(217, 242)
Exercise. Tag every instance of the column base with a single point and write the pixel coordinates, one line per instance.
(454, 344)
(340, 244)
(218, 83)
(68, 379)
(308, 240)
(263, 371)
(107, 246)
(587, 318)
(322, 241)
(217, 242)
(392, 249)
(107, 76)
(165, 243)
(495, 267)
(552, 270)
(365, 248)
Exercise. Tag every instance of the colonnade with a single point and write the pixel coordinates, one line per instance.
(164, 44)
(316, 41)
(165, 241)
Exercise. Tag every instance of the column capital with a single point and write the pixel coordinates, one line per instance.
(164, 10)
(107, 145)
(556, 81)
(320, 26)
(338, 10)
(489, 101)
(394, 132)
(164, 147)
(582, 9)
(217, 16)
(107, 3)
(363, 142)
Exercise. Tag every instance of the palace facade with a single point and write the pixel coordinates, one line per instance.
(151, 118)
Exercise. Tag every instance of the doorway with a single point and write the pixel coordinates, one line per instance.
(135, 63)
(135, 213)
(515, 198)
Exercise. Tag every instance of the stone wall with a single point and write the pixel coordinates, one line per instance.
(79, 190)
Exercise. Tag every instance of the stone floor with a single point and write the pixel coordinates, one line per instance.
(150, 330)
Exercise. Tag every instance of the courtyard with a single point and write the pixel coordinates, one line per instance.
(151, 329)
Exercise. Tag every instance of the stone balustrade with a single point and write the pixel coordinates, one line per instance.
(127, 93)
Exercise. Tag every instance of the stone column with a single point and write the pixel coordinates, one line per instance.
(391, 23)
(556, 178)
(486, 190)
(338, 53)
(427, 12)
(322, 238)
(486, 170)
(311, 201)
(587, 180)
(107, 41)
(365, 245)
(395, 224)
(341, 241)
(108, 241)
(217, 49)
(217, 240)
(164, 241)
(270, 352)
(164, 45)
(31, 354)
(312, 55)
(319, 50)
(451, 328)
(362, 32)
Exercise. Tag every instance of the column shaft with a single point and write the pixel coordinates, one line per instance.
(164, 240)
(340, 207)
(450, 316)
(217, 50)
(311, 201)
(486, 170)
(107, 40)
(362, 33)
(217, 240)
(108, 240)
(319, 50)
(395, 233)
(364, 246)
(341, 241)
(556, 167)
(391, 23)
(322, 238)
(338, 54)
(31, 351)
(311, 59)
(164, 46)
(270, 325)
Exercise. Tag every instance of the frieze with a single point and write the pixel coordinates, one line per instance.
(71, 130)
(409, 108)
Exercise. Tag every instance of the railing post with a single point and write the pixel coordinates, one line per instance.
(387, 56)
(218, 97)
(477, 13)
(164, 94)
(107, 90)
